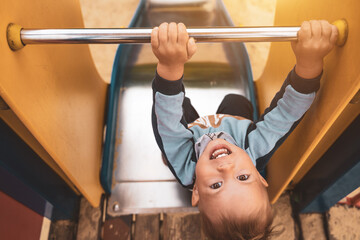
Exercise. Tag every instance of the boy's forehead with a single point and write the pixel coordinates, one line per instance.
(238, 207)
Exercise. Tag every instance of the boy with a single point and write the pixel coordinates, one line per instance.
(220, 156)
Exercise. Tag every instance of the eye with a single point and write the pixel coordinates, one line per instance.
(216, 185)
(243, 177)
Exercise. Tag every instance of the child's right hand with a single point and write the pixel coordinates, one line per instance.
(171, 45)
(315, 41)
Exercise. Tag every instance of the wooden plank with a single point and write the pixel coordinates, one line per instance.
(117, 228)
(312, 226)
(63, 229)
(343, 222)
(283, 222)
(147, 226)
(181, 226)
(89, 221)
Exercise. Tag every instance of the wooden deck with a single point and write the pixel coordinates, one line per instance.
(340, 222)
(154, 227)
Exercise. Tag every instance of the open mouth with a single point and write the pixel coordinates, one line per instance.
(219, 153)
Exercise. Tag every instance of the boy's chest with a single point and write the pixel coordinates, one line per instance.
(234, 126)
(212, 121)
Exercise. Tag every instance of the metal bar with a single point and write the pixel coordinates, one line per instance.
(142, 35)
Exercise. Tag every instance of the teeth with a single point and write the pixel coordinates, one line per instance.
(220, 153)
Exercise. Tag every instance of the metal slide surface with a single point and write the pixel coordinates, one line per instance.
(141, 183)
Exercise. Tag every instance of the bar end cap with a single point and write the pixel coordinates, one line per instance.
(13, 37)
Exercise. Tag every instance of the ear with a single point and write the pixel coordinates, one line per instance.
(263, 181)
(195, 196)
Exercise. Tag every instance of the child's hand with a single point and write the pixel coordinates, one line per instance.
(173, 48)
(315, 41)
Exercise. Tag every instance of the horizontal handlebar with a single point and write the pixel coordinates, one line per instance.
(143, 35)
(18, 37)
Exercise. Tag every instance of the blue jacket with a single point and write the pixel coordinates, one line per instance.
(176, 138)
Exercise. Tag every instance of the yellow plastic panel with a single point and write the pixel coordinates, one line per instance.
(18, 127)
(56, 91)
(330, 113)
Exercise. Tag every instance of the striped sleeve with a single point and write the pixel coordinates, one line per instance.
(171, 132)
(282, 116)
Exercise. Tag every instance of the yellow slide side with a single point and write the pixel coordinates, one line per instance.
(56, 92)
(331, 111)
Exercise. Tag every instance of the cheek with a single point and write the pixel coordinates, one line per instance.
(243, 158)
(200, 165)
(199, 169)
(202, 169)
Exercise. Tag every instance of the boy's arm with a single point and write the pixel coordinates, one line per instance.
(315, 41)
(172, 47)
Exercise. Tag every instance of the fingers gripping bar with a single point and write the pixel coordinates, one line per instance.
(19, 37)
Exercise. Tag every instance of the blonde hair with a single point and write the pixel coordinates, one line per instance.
(253, 228)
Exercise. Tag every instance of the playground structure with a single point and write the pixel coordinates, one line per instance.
(57, 101)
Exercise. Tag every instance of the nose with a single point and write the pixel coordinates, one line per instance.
(225, 167)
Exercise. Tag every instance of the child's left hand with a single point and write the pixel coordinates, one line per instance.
(315, 41)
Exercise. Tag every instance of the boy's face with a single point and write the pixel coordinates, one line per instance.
(228, 183)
